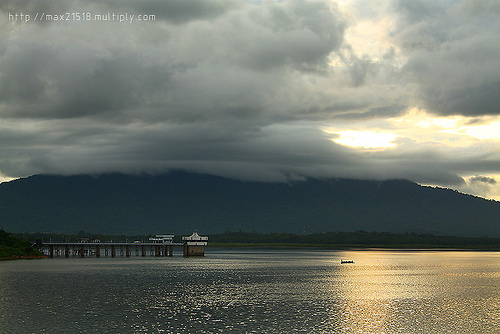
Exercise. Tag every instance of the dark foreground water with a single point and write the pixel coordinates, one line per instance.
(255, 291)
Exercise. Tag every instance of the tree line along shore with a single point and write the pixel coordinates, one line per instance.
(355, 239)
(12, 247)
(20, 244)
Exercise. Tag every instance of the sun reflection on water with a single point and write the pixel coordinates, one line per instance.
(424, 292)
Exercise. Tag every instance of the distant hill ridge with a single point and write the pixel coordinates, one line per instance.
(179, 202)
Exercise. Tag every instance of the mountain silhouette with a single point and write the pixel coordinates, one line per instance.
(179, 202)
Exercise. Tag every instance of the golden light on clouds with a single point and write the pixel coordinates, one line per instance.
(367, 32)
(421, 118)
(486, 131)
(418, 126)
(4, 178)
(452, 137)
(366, 139)
(484, 128)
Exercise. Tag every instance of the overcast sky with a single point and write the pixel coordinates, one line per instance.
(255, 90)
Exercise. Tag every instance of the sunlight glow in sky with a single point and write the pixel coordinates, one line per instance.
(4, 178)
(486, 131)
(419, 126)
(464, 134)
(366, 139)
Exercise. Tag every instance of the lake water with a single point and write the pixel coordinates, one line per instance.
(255, 291)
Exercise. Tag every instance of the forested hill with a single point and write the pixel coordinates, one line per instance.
(180, 202)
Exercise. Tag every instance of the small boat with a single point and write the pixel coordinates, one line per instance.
(346, 261)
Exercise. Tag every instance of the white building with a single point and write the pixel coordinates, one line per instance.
(194, 245)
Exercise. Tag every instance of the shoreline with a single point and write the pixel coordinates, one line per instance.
(358, 247)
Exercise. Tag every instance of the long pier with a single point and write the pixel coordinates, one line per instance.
(161, 245)
(113, 249)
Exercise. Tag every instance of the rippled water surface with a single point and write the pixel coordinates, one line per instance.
(255, 291)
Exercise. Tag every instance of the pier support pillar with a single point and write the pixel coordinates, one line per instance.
(170, 250)
(82, 251)
(127, 251)
(113, 250)
(66, 251)
(97, 251)
(51, 251)
(194, 250)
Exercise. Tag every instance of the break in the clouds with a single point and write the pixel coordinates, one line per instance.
(272, 90)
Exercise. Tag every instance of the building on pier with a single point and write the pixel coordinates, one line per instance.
(162, 239)
(194, 245)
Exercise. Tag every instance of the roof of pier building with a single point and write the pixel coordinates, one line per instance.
(195, 237)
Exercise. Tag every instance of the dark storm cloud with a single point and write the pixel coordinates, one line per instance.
(44, 82)
(262, 153)
(416, 11)
(175, 11)
(452, 50)
(235, 88)
(482, 179)
(200, 87)
(378, 112)
(179, 11)
(34, 6)
(231, 67)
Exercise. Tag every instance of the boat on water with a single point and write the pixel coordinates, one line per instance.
(346, 261)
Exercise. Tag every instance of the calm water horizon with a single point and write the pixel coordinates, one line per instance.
(255, 291)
